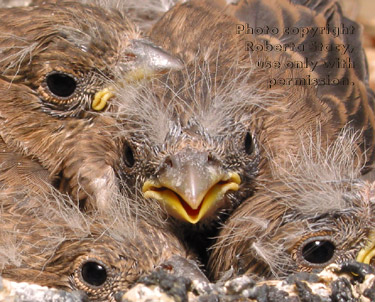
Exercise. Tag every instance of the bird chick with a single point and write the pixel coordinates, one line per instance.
(59, 63)
(50, 242)
(319, 213)
(199, 139)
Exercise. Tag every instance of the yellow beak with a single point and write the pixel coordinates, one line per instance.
(367, 253)
(191, 188)
(101, 98)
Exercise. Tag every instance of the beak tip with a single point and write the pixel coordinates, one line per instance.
(154, 58)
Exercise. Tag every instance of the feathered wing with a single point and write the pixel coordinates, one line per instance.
(319, 35)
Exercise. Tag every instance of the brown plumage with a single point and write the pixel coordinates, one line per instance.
(144, 13)
(58, 62)
(13, 3)
(48, 241)
(319, 213)
(197, 134)
(210, 133)
(204, 138)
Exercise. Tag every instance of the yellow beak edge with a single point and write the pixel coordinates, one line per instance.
(367, 253)
(175, 206)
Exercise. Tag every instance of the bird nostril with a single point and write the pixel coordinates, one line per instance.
(168, 162)
(211, 158)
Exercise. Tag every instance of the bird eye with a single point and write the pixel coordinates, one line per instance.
(93, 273)
(249, 144)
(318, 250)
(128, 155)
(61, 85)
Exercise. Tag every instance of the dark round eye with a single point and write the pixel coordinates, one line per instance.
(61, 85)
(318, 251)
(94, 273)
(128, 155)
(249, 143)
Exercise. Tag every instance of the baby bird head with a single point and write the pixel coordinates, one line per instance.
(319, 212)
(199, 138)
(184, 150)
(47, 240)
(195, 140)
(59, 63)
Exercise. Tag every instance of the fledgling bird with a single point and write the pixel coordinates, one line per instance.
(58, 64)
(199, 140)
(319, 213)
(50, 242)
(197, 134)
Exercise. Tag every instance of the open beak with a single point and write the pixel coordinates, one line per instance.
(366, 254)
(191, 188)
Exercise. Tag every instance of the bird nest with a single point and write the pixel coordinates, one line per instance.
(350, 281)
